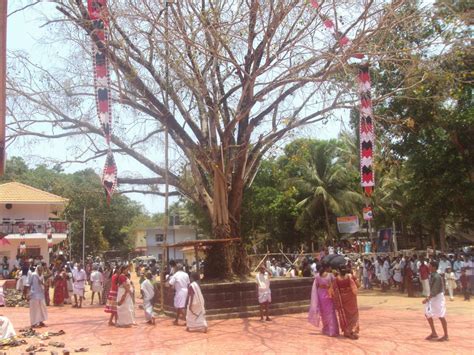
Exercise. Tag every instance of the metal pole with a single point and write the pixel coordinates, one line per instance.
(165, 231)
(394, 235)
(84, 236)
(370, 236)
(3, 81)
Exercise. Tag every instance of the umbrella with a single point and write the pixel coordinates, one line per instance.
(334, 260)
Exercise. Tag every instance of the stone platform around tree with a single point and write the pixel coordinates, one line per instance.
(225, 300)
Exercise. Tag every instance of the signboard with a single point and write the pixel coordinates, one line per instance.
(367, 212)
(348, 224)
(384, 243)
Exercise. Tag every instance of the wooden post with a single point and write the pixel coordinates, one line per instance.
(3, 81)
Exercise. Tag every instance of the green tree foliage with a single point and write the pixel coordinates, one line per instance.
(430, 124)
(104, 224)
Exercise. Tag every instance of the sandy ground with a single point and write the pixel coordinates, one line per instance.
(390, 324)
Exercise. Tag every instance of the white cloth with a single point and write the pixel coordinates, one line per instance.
(196, 312)
(397, 273)
(180, 281)
(443, 264)
(6, 328)
(148, 294)
(385, 272)
(2, 298)
(97, 281)
(147, 289)
(425, 284)
(38, 311)
(79, 282)
(126, 311)
(263, 284)
(36, 286)
(457, 267)
(436, 306)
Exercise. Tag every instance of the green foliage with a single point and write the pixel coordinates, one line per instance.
(104, 224)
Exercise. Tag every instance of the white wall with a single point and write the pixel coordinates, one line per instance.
(176, 234)
(28, 212)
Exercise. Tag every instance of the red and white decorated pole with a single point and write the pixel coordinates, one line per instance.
(98, 13)
(366, 122)
(366, 132)
(3, 81)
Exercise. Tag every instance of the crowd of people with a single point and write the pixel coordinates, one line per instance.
(112, 284)
(410, 274)
(333, 297)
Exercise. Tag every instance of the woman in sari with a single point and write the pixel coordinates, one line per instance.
(196, 312)
(125, 305)
(111, 306)
(60, 288)
(345, 299)
(322, 306)
(108, 273)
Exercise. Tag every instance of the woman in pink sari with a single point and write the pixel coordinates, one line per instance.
(322, 306)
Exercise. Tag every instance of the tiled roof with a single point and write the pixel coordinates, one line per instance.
(15, 192)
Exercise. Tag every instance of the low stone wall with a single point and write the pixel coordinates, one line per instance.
(241, 297)
(8, 283)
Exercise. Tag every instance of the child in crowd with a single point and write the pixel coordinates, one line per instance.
(264, 292)
(450, 281)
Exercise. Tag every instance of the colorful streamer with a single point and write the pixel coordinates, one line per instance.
(366, 131)
(366, 127)
(99, 15)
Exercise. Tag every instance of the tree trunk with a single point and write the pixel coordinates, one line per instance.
(225, 260)
(328, 224)
(442, 236)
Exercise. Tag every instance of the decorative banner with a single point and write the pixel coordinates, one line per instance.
(366, 131)
(99, 15)
(348, 224)
(367, 212)
(331, 27)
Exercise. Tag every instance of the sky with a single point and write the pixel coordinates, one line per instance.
(25, 28)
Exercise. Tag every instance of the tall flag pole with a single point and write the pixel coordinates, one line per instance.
(366, 122)
(98, 14)
(3, 82)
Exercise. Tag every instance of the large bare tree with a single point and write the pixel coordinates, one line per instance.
(228, 78)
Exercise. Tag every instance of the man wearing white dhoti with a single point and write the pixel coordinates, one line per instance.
(97, 284)
(264, 292)
(148, 293)
(6, 328)
(180, 281)
(196, 311)
(385, 275)
(435, 306)
(79, 278)
(38, 311)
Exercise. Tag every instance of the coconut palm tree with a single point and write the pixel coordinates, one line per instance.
(325, 186)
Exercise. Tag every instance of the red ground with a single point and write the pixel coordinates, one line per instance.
(390, 324)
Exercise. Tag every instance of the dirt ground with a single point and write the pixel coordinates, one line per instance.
(390, 323)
